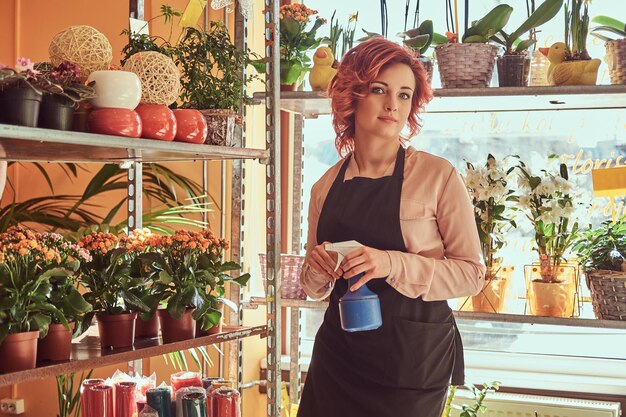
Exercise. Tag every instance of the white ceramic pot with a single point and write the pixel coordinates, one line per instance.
(116, 89)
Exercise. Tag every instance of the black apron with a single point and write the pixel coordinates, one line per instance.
(404, 367)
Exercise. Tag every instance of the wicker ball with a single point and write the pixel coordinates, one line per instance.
(83, 46)
(160, 79)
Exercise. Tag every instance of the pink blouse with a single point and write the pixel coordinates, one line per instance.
(443, 258)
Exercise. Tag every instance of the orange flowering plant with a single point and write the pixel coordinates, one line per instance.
(37, 273)
(188, 271)
(111, 288)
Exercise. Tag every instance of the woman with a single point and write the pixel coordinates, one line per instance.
(412, 213)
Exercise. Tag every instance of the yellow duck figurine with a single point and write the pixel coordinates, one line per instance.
(569, 72)
(322, 71)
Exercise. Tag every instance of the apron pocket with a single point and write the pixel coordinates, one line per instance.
(421, 355)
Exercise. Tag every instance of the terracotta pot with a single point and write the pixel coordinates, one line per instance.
(173, 330)
(288, 87)
(491, 297)
(18, 351)
(116, 330)
(57, 345)
(213, 330)
(116, 89)
(147, 328)
(20, 106)
(158, 122)
(191, 126)
(117, 122)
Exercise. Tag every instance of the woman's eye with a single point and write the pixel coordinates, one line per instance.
(405, 96)
(377, 90)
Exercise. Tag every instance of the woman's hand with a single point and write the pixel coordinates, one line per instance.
(372, 262)
(323, 262)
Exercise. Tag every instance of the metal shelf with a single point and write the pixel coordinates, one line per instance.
(254, 302)
(87, 353)
(472, 100)
(18, 143)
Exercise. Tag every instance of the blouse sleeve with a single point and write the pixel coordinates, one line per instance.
(461, 271)
(315, 285)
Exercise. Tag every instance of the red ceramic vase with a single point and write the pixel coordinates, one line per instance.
(158, 121)
(192, 126)
(117, 122)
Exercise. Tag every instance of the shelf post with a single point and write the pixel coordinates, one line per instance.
(135, 211)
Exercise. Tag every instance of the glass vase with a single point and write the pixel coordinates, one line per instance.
(553, 292)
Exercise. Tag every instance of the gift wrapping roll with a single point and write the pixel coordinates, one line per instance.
(125, 401)
(148, 411)
(85, 386)
(161, 400)
(226, 402)
(206, 382)
(181, 393)
(100, 401)
(194, 404)
(211, 405)
(185, 379)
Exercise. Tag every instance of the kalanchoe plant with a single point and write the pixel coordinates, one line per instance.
(27, 265)
(492, 196)
(603, 247)
(110, 287)
(610, 26)
(511, 42)
(188, 272)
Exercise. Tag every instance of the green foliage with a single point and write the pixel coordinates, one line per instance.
(475, 410)
(420, 38)
(610, 25)
(345, 33)
(577, 28)
(511, 43)
(603, 247)
(483, 29)
(68, 394)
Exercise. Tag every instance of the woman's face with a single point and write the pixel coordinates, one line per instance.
(384, 112)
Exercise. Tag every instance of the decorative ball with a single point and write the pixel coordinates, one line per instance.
(160, 79)
(83, 46)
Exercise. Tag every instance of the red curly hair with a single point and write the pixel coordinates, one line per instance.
(360, 67)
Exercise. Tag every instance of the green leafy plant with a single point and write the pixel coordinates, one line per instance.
(603, 247)
(576, 29)
(511, 42)
(64, 80)
(68, 394)
(337, 32)
(420, 38)
(608, 25)
(26, 267)
(23, 75)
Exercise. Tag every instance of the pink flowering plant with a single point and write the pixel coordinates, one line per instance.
(33, 266)
(24, 75)
(64, 79)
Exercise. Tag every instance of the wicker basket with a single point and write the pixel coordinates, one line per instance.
(616, 58)
(608, 294)
(290, 267)
(221, 126)
(466, 65)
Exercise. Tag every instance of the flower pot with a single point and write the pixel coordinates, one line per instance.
(117, 122)
(115, 89)
(56, 112)
(20, 106)
(157, 121)
(221, 126)
(465, 65)
(116, 330)
(215, 329)
(491, 298)
(616, 60)
(147, 328)
(288, 87)
(428, 65)
(608, 294)
(174, 330)
(513, 70)
(556, 298)
(57, 345)
(18, 351)
(79, 123)
(191, 126)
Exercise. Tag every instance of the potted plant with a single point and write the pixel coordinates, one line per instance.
(111, 289)
(64, 295)
(548, 202)
(615, 45)
(189, 276)
(601, 252)
(514, 64)
(570, 63)
(26, 266)
(63, 92)
(20, 95)
(469, 64)
(346, 34)
(492, 196)
(419, 40)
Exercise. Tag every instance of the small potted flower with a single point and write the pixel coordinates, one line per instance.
(189, 275)
(601, 251)
(20, 94)
(26, 268)
(548, 202)
(111, 289)
(492, 196)
(64, 295)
